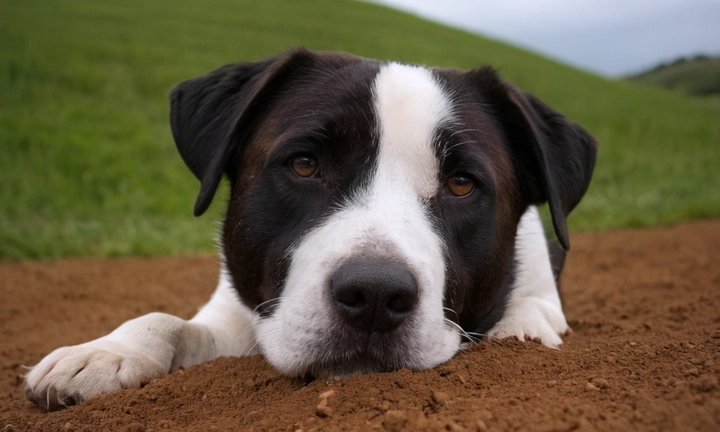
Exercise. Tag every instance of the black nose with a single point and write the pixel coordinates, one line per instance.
(374, 296)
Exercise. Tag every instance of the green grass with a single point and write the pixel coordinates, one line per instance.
(88, 166)
(698, 76)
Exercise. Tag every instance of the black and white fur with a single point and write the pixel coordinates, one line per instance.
(370, 264)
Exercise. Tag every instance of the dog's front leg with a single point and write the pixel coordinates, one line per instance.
(534, 310)
(140, 350)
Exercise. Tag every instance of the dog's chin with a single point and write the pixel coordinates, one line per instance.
(368, 361)
(358, 353)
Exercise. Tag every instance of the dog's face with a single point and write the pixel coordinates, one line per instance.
(374, 206)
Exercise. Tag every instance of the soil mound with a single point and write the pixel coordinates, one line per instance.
(644, 354)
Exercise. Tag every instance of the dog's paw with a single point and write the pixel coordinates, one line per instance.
(532, 318)
(70, 375)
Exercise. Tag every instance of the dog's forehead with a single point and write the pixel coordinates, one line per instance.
(335, 93)
(401, 119)
(410, 108)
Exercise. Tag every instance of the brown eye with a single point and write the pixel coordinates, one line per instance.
(460, 185)
(304, 165)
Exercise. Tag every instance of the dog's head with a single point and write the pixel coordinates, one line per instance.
(374, 206)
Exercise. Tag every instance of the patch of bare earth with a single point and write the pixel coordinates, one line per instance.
(644, 355)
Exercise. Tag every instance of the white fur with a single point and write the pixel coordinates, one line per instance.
(386, 219)
(410, 107)
(533, 310)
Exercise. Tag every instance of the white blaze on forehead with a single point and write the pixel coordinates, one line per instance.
(410, 106)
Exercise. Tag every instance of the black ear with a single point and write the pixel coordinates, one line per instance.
(555, 156)
(211, 115)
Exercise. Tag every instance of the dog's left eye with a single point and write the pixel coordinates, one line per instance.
(460, 184)
(304, 165)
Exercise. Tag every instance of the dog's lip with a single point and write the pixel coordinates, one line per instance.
(360, 353)
(356, 364)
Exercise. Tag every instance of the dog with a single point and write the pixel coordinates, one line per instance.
(381, 216)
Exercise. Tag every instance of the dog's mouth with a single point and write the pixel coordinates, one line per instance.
(341, 360)
(347, 351)
(339, 349)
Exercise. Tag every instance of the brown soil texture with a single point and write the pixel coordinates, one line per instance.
(644, 354)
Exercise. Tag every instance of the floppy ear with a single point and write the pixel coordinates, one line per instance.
(211, 115)
(555, 156)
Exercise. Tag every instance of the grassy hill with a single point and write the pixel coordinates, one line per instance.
(88, 166)
(698, 76)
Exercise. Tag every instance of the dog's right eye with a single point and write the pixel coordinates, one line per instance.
(304, 165)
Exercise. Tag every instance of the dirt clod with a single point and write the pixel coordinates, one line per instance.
(395, 420)
(323, 410)
(600, 383)
(326, 394)
(440, 398)
(643, 305)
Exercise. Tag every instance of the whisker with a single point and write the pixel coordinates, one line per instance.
(272, 302)
(462, 131)
(256, 339)
(476, 334)
(490, 338)
(250, 328)
(446, 309)
(463, 333)
(254, 321)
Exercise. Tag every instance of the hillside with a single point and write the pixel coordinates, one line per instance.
(699, 76)
(89, 167)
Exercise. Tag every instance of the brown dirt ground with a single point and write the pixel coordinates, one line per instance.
(644, 354)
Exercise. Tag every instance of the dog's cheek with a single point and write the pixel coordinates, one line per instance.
(265, 219)
(479, 251)
(244, 257)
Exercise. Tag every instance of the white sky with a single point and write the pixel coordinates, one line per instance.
(609, 37)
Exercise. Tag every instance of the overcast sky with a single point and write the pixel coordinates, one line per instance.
(609, 37)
